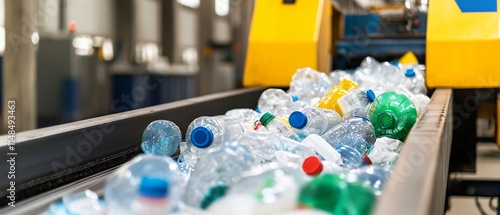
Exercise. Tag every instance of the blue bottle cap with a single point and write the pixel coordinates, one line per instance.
(202, 137)
(297, 120)
(410, 73)
(370, 95)
(153, 187)
(295, 98)
(257, 109)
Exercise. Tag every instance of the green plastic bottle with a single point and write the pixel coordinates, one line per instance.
(333, 194)
(392, 115)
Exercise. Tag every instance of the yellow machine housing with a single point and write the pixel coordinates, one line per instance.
(463, 47)
(285, 37)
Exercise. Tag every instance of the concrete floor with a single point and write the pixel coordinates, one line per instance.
(488, 167)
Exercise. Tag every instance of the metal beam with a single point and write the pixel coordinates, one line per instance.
(19, 72)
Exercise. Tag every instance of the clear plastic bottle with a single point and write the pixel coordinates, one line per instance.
(121, 187)
(152, 197)
(261, 144)
(357, 133)
(337, 75)
(215, 172)
(161, 137)
(351, 158)
(373, 177)
(312, 120)
(276, 126)
(295, 147)
(207, 132)
(277, 102)
(307, 84)
(414, 82)
(314, 166)
(245, 116)
(391, 76)
(356, 99)
(85, 203)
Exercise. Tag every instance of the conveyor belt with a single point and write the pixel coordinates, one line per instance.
(52, 157)
(417, 186)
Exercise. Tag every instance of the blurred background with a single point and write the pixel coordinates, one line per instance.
(68, 60)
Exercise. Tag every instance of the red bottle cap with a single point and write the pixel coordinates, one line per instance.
(367, 159)
(312, 166)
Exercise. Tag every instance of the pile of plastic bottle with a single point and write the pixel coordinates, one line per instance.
(326, 146)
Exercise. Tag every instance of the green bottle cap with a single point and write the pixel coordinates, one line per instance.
(266, 118)
(213, 194)
(392, 115)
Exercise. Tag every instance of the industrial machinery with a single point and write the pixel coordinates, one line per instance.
(55, 161)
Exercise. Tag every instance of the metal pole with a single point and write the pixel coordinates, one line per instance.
(19, 82)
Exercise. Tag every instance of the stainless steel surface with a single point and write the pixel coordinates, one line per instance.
(41, 203)
(418, 183)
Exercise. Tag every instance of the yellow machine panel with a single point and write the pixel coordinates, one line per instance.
(285, 37)
(463, 44)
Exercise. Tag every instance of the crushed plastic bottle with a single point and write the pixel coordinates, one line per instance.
(245, 116)
(261, 144)
(337, 75)
(277, 126)
(356, 99)
(207, 132)
(414, 82)
(351, 157)
(312, 120)
(263, 190)
(215, 172)
(84, 203)
(161, 137)
(330, 100)
(393, 115)
(308, 84)
(373, 177)
(384, 151)
(121, 188)
(357, 133)
(278, 102)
